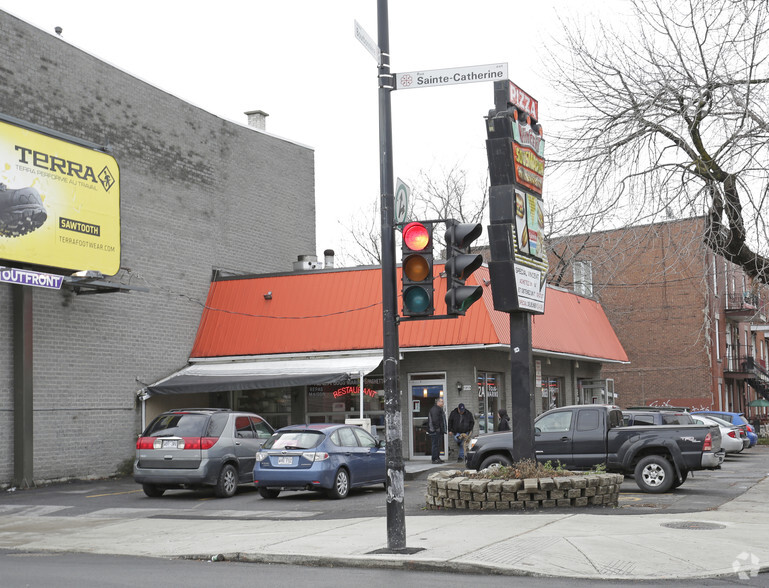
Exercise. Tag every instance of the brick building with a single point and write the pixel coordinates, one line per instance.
(195, 195)
(693, 324)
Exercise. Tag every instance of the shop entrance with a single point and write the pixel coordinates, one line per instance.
(488, 401)
(424, 389)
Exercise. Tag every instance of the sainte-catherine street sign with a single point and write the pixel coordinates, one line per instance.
(453, 75)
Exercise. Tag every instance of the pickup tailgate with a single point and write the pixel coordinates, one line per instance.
(693, 447)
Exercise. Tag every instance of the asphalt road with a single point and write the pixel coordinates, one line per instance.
(122, 497)
(73, 570)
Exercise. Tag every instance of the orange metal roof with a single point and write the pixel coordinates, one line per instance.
(341, 310)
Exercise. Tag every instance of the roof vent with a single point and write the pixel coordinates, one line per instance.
(328, 255)
(305, 263)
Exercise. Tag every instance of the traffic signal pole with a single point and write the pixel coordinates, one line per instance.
(396, 514)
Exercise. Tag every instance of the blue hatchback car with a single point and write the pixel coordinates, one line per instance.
(329, 457)
(736, 418)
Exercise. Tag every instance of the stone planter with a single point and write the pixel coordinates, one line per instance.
(453, 489)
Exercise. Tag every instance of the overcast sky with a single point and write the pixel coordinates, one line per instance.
(301, 63)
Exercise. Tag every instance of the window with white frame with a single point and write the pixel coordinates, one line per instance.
(583, 277)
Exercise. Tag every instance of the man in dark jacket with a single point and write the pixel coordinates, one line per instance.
(461, 423)
(436, 428)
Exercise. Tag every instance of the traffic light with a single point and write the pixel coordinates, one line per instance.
(417, 269)
(460, 263)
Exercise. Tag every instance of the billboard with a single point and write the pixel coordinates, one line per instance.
(59, 203)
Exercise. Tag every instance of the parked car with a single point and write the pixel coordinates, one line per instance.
(656, 417)
(583, 436)
(329, 457)
(741, 432)
(736, 418)
(730, 435)
(193, 448)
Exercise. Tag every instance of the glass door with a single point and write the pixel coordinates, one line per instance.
(488, 400)
(424, 389)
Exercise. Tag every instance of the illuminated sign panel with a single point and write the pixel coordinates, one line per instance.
(516, 151)
(59, 203)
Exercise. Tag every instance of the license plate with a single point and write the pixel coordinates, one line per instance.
(170, 443)
(285, 460)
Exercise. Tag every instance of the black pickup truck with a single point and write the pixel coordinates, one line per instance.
(583, 436)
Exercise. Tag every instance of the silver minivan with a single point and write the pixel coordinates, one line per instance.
(197, 447)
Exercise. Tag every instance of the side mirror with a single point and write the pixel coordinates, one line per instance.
(537, 431)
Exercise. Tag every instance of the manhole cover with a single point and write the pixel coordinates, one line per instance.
(696, 525)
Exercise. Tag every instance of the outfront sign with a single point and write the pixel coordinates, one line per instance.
(59, 203)
(447, 77)
(11, 275)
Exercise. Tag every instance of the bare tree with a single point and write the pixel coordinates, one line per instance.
(445, 195)
(668, 118)
(365, 238)
(434, 196)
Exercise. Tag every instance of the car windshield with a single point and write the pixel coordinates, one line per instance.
(721, 421)
(294, 440)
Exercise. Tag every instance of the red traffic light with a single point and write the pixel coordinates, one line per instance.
(416, 236)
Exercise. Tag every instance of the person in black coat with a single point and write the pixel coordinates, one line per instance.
(436, 428)
(504, 420)
(461, 423)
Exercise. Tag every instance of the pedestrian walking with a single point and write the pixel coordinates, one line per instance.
(461, 423)
(504, 420)
(436, 428)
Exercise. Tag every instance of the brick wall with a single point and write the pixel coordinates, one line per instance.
(652, 282)
(197, 192)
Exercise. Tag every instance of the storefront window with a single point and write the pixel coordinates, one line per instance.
(274, 405)
(334, 403)
(551, 392)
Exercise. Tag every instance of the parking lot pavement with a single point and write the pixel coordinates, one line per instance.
(88, 518)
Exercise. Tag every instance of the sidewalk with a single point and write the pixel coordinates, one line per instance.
(731, 540)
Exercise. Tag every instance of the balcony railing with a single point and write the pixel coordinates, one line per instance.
(742, 302)
(738, 357)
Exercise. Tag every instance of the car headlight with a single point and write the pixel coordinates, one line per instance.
(473, 441)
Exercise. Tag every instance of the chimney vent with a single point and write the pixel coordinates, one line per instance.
(257, 119)
(328, 258)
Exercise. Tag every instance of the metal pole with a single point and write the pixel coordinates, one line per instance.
(521, 386)
(22, 387)
(396, 519)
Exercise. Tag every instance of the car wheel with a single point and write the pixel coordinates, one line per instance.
(502, 460)
(654, 474)
(268, 492)
(227, 484)
(341, 487)
(153, 491)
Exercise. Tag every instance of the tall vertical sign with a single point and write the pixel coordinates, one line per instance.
(518, 266)
(515, 150)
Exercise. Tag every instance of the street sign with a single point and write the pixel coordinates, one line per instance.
(402, 192)
(447, 77)
(10, 275)
(368, 43)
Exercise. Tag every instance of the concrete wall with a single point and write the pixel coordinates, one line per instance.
(197, 192)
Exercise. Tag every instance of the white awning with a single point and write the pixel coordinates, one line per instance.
(265, 373)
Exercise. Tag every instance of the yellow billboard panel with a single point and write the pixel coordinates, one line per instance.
(59, 203)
